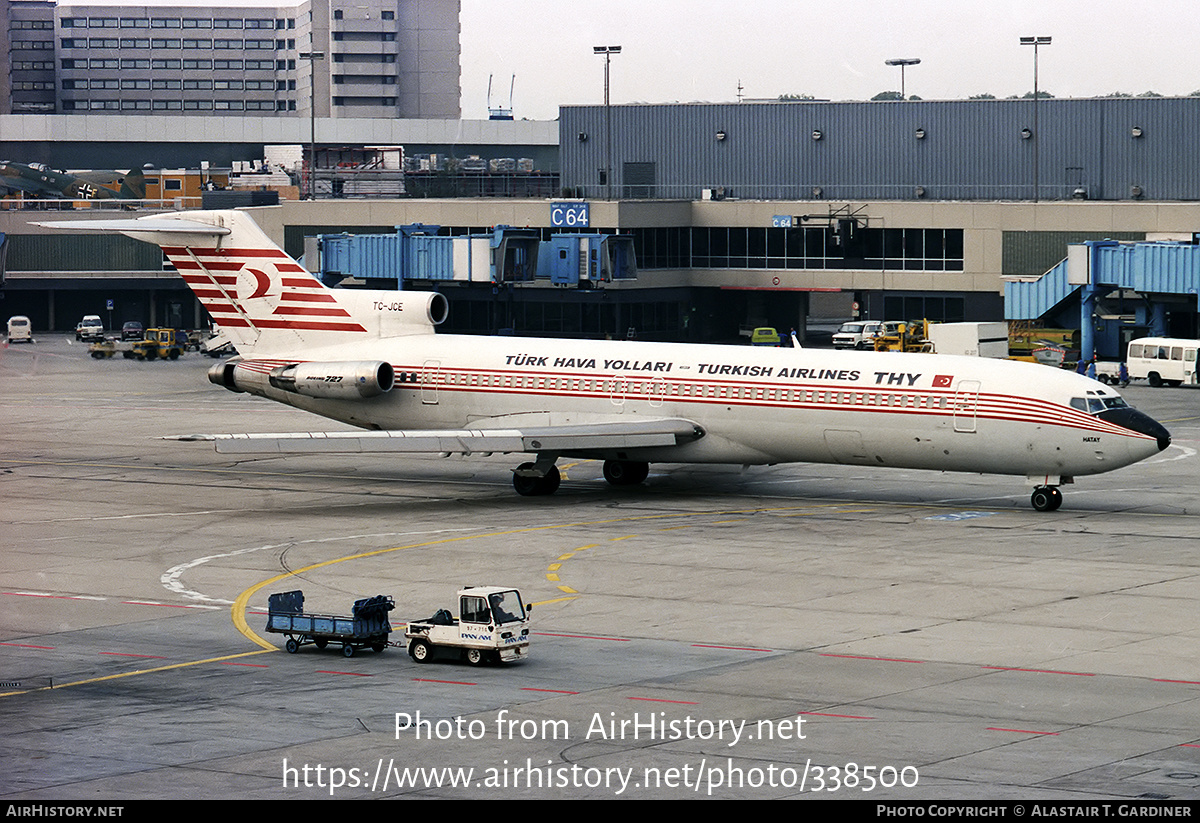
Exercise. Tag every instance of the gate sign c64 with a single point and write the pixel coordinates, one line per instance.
(569, 215)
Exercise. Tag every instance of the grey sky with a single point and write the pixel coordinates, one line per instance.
(689, 51)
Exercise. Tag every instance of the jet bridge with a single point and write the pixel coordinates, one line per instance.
(1112, 291)
(505, 255)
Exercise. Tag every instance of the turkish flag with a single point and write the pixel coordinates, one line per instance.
(943, 381)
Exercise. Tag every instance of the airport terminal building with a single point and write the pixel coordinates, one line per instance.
(758, 214)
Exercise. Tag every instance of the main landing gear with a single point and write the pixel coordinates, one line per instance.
(529, 484)
(533, 480)
(625, 472)
(1046, 498)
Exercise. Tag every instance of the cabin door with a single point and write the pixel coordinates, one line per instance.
(966, 406)
(430, 375)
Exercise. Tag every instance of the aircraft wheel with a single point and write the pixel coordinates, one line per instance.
(625, 472)
(1046, 498)
(525, 486)
(534, 486)
(476, 657)
(420, 651)
(550, 483)
(292, 645)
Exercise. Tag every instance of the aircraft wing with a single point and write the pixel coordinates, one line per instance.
(613, 434)
(16, 184)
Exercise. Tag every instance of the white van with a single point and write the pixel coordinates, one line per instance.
(1162, 360)
(858, 334)
(20, 330)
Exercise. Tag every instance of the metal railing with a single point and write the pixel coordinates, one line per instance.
(107, 204)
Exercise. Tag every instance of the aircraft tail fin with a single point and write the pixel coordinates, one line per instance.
(133, 186)
(266, 302)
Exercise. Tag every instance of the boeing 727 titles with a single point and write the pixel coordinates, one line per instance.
(372, 359)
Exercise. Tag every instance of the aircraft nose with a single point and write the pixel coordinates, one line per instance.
(1139, 422)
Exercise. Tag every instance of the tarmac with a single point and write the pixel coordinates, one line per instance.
(789, 631)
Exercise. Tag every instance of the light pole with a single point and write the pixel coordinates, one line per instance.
(1037, 135)
(902, 62)
(608, 52)
(312, 57)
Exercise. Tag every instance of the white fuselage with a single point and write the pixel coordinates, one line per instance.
(755, 405)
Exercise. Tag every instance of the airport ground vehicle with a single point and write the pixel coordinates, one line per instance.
(19, 329)
(91, 327)
(765, 336)
(492, 626)
(190, 340)
(367, 626)
(857, 334)
(158, 344)
(1108, 372)
(1161, 361)
(217, 344)
(969, 339)
(908, 337)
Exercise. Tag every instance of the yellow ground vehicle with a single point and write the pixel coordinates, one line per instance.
(764, 336)
(912, 336)
(158, 344)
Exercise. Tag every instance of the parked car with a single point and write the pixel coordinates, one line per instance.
(133, 330)
(91, 327)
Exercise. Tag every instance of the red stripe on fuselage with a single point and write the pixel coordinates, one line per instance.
(1031, 411)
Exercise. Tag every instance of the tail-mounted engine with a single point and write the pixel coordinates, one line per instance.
(339, 380)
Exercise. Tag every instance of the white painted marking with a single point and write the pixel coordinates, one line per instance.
(171, 577)
(1187, 452)
(61, 596)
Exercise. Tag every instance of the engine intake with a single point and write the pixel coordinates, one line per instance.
(352, 379)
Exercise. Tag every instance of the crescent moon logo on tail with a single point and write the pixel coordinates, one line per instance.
(261, 283)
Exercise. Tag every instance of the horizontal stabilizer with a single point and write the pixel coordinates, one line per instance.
(610, 435)
(147, 225)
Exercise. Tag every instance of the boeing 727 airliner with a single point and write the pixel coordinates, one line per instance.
(372, 359)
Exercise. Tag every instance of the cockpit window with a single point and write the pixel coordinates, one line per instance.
(1095, 405)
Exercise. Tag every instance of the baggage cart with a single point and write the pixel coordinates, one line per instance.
(367, 626)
